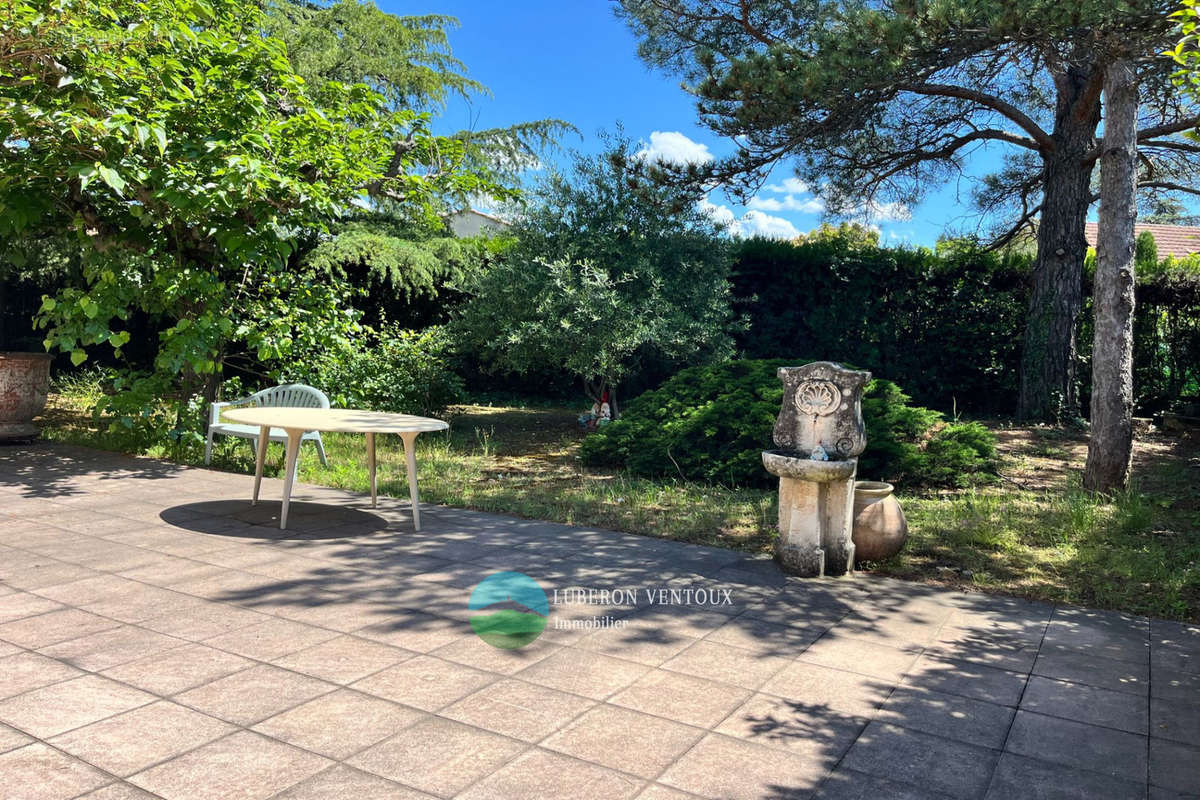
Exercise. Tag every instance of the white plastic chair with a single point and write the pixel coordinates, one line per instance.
(289, 395)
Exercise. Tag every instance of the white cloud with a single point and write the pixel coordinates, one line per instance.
(722, 214)
(806, 205)
(789, 186)
(885, 212)
(674, 148)
(756, 223)
(752, 223)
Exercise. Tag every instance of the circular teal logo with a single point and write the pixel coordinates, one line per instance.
(514, 609)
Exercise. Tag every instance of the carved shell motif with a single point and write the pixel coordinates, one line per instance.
(817, 398)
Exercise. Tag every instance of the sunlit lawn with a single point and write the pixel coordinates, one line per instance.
(1035, 533)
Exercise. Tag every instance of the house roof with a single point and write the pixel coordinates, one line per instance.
(469, 211)
(1179, 241)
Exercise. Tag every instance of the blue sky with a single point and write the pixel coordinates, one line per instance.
(574, 60)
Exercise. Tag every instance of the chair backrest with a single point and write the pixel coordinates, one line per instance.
(290, 395)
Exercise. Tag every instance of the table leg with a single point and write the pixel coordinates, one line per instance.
(260, 459)
(410, 452)
(293, 450)
(371, 464)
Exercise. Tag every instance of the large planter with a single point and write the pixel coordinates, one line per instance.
(879, 529)
(24, 382)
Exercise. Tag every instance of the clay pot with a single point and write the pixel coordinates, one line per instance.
(880, 529)
(24, 382)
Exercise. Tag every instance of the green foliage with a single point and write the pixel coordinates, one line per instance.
(408, 60)
(608, 267)
(397, 250)
(848, 234)
(193, 163)
(711, 423)
(947, 326)
(1145, 252)
(374, 254)
(408, 372)
(405, 58)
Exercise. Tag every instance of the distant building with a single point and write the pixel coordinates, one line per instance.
(469, 222)
(1179, 241)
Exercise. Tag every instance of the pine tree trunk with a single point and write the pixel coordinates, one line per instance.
(1110, 448)
(1048, 391)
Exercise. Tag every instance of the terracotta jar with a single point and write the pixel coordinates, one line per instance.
(24, 382)
(879, 525)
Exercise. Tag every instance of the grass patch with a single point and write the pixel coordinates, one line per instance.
(1036, 534)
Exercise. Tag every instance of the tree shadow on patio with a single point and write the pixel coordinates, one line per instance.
(37, 470)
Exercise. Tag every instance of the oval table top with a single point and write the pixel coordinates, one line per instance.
(343, 420)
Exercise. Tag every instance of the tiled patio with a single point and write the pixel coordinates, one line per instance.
(161, 638)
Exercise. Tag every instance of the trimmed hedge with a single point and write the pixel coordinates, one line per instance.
(711, 423)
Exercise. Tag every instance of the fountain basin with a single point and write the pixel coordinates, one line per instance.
(786, 464)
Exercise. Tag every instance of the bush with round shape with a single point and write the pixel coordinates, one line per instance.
(711, 424)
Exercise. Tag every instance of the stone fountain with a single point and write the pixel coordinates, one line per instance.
(819, 433)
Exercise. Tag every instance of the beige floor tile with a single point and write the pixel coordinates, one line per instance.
(681, 697)
(205, 621)
(23, 671)
(344, 659)
(254, 694)
(724, 664)
(624, 739)
(48, 572)
(413, 630)
(540, 773)
(89, 590)
(11, 739)
(425, 682)
(341, 782)
(659, 792)
(270, 639)
(137, 739)
(118, 791)
(339, 724)
(53, 627)
(178, 669)
(39, 772)
(643, 641)
(144, 603)
(861, 656)
(521, 710)
(438, 756)
(579, 672)
(100, 651)
(170, 572)
(761, 636)
(795, 726)
(725, 768)
(474, 652)
(338, 613)
(62, 706)
(244, 766)
(836, 689)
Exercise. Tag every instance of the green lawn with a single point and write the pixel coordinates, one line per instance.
(1034, 534)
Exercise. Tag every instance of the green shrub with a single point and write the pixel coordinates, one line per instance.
(711, 423)
(394, 370)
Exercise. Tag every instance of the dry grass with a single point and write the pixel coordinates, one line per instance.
(1035, 533)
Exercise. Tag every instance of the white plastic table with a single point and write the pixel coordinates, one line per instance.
(295, 421)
